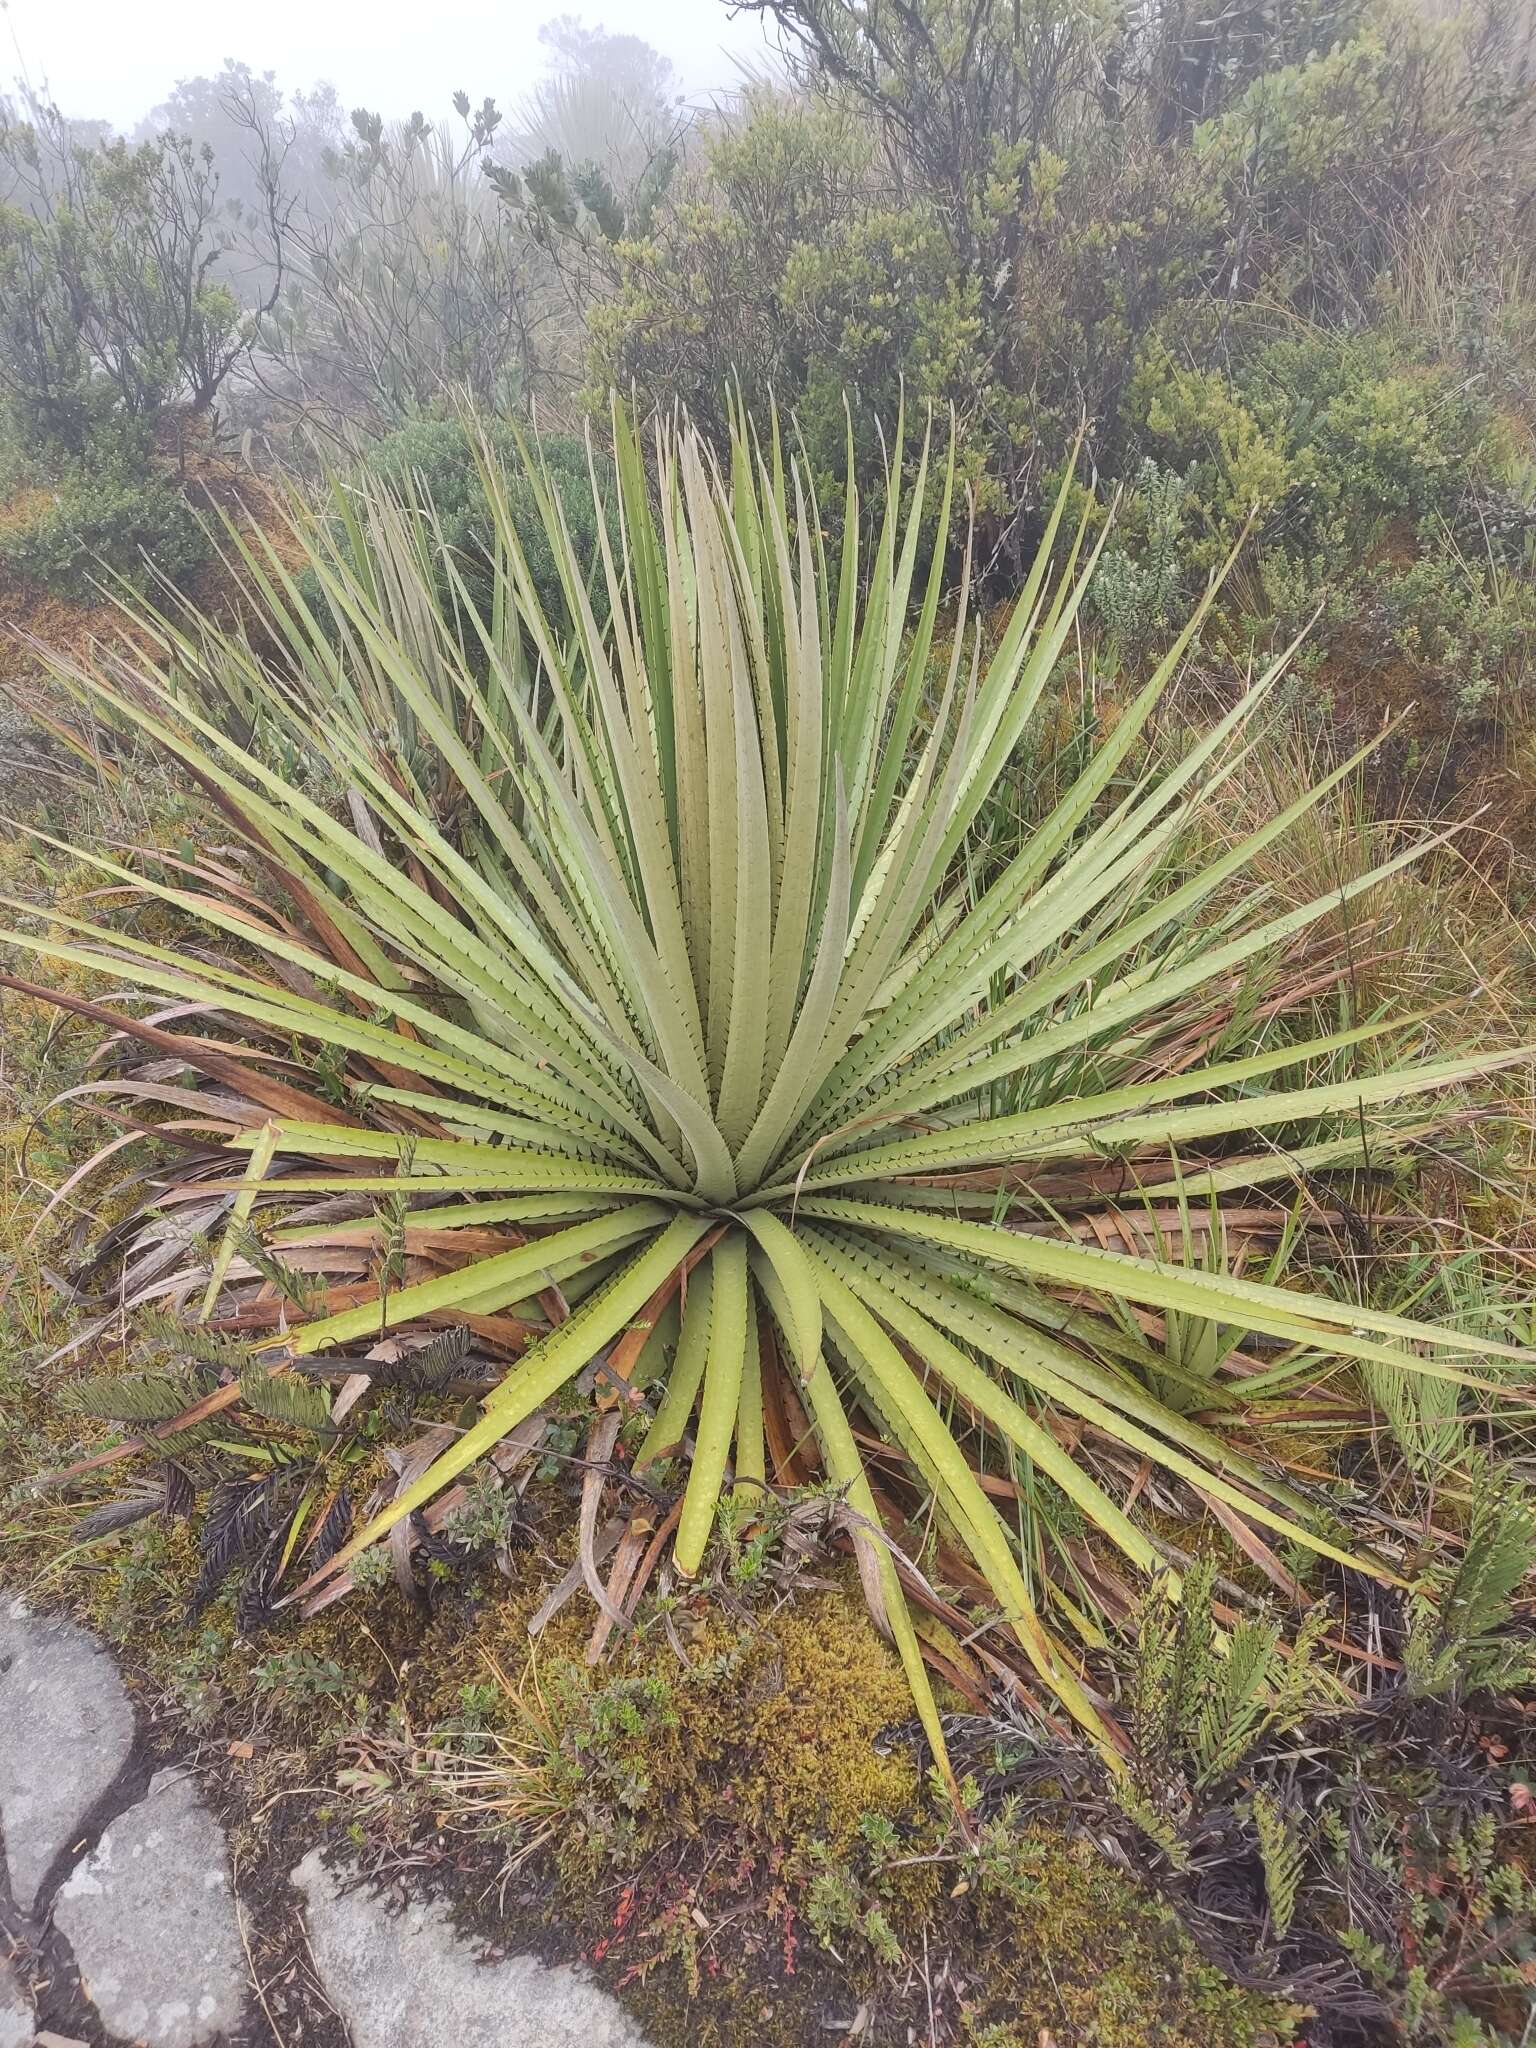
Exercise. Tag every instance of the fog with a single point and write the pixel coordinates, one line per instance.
(100, 60)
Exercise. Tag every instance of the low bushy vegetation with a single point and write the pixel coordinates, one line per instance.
(441, 464)
(94, 525)
(116, 337)
(1276, 266)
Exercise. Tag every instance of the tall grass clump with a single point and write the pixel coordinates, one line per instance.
(628, 995)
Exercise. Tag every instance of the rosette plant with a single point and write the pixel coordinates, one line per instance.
(637, 993)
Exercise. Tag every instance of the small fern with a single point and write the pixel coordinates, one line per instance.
(113, 1515)
(428, 1369)
(333, 1531)
(129, 1397)
(1200, 1701)
(180, 1443)
(284, 1398)
(238, 1523)
(161, 1331)
(391, 1214)
(1458, 1619)
(1281, 1853)
(300, 1289)
(1421, 1413)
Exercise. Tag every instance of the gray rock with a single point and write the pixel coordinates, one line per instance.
(16, 2022)
(66, 1730)
(151, 1919)
(405, 1980)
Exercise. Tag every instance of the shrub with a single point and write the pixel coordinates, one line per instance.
(108, 311)
(412, 278)
(1337, 448)
(700, 304)
(112, 324)
(1199, 242)
(884, 313)
(1138, 588)
(1331, 163)
(1198, 423)
(439, 461)
(1460, 621)
(96, 526)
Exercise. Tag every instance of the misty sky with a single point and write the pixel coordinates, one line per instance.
(107, 60)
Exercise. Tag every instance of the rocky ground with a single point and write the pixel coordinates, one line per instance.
(122, 1919)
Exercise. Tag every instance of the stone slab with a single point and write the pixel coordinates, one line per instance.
(150, 1916)
(66, 1730)
(406, 1980)
(16, 2022)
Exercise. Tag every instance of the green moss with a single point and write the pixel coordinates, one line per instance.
(773, 1720)
(735, 1809)
(1066, 1948)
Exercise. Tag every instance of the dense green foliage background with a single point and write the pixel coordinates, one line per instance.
(1272, 266)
